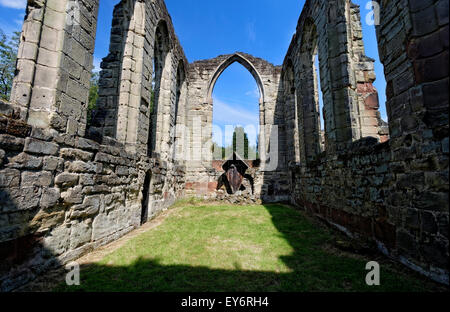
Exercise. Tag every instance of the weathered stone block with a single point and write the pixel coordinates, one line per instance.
(25, 161)
(9, 178)
(73, 195)
(83, 167)
(66, 179)
(9, 142)
(50, 197)
(42, 178)
(2, 156)
(40, 147)
(52, 163)
(87, 144)
(70, 153)
(429, 223)
(80, 233)
(56, 242)
(15, 198)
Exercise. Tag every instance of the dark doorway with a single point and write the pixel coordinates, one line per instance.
(145, 197)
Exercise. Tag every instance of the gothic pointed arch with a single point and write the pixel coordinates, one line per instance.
(228, 62)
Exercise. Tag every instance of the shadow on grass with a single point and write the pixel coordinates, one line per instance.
(311, 269)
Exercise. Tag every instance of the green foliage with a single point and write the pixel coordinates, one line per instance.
(218, 149)
(239, 133)
(8, 58)
(152, 101)
(93, 96)
(236, 146)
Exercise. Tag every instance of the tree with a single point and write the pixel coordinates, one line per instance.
(218, 150)
(93, 96)
(241, 143)
(8, 59)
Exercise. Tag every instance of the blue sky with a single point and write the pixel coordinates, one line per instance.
(208, 28)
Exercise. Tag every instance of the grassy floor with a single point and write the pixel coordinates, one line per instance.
(234, 248)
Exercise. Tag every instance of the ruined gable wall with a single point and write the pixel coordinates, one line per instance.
(201, 176)
(394, 194)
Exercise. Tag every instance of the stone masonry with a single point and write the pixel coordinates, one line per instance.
(67, 188)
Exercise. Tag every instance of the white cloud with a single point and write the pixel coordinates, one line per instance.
(14, 4)
(227, 114)
(96, 64)
(253, 93)
(251, 32)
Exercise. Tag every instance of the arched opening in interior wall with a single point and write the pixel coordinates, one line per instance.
(146, 197)
(371, 79)
(161, 51)
(319, 99)
(181, 77)
(236, 97)
(308, 95)
(179, 111)
(291, 112)
(102, 45)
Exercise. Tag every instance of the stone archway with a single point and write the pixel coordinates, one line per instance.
(227, 63)
(201, 173)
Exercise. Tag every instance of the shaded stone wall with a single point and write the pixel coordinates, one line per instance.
(66, 191)
(393, 194)
(62, 196)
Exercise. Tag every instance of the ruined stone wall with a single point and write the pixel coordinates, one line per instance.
(393, 194)
(202, 78)
(139, 30)
(65, 191)
(66, 188)
(54, 64)
(210, 191)
(331, 32)
(369, 119)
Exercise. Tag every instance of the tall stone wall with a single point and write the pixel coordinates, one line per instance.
(125, 87)
(394, 194)
(65, 190)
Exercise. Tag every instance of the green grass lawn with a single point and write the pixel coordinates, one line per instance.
(234, 248)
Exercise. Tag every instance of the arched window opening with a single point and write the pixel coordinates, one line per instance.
(371, 80)
(236, 113)
(110, 18)
(319, 99)
(181, 77)
(161, 51)
(179, 109)
(291, 112)
(308, 99)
